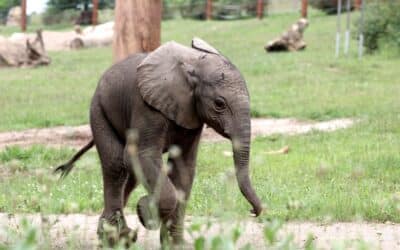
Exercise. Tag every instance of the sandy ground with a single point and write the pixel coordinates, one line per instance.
(80, 135)
(81, 229)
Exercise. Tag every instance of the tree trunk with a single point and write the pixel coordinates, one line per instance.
(357, 4)
(95, 12)
(209, 7)
(137, 27)
(304, 7)
(23, 15)
(260, 9)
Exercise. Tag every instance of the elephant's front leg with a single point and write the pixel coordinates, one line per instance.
(161, 201)
(182, 179)
(182, 175)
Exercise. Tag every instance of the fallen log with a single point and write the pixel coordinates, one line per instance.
(92, 40)
(93, 36)
(291, 40)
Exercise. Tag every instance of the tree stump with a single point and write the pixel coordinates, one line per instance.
(28, 54)
(291, 40)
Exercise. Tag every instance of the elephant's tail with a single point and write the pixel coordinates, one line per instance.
(67, 167)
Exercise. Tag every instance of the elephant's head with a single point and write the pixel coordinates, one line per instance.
(197, 85)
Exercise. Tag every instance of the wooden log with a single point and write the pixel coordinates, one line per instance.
(137, 27)
(291, 40)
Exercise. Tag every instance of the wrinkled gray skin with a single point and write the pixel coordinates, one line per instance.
(167, 96)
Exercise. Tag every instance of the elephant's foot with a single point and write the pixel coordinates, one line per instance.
(171, 237)
(172, 244)
(148, 213)
(113, 231)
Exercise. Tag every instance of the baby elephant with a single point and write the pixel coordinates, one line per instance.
(166, 97)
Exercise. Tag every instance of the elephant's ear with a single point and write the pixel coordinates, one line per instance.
(202, 45)
(166, 78)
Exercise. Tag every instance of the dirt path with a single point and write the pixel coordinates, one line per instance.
(80, 135)
(81, 229)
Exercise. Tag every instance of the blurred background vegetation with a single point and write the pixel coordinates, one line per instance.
(381, 25)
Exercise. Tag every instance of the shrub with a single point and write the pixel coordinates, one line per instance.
(222, 9)
(329, 6)
(381, 25)
(5, 6)
(68, 16)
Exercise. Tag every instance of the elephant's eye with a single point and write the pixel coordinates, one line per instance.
(219, 104)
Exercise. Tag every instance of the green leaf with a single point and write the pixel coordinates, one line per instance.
(271, 229)
(200, 243)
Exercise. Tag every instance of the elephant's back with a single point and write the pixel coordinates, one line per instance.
(117, 93)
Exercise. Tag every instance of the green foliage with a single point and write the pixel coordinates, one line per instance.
(60, 5)
(344, 175)
(68, 16)
(28, 238)
(328, 6)
(196, 9)
(5, 5)
(316, 180)
(382, 25)
(67, 11)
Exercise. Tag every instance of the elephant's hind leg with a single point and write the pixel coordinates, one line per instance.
(115, 178)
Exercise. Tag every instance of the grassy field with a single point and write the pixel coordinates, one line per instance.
(308, 85)
(345, 175)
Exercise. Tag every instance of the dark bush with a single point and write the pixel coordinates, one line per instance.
(381, 25)
(69, 16)
(222, 9)
(329, 6)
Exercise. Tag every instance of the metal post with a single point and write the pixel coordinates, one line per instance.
(23, 15)
(304, 6)
(209, 9)
(260, 9)
(95, 11)
(347, 34)
(338, 27)
(361, 34)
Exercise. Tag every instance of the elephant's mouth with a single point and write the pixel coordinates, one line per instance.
(220, 130)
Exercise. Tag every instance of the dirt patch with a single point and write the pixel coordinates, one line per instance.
(56, 136)
(81, 230)
(78, 136)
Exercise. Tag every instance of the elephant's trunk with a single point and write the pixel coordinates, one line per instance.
(241, 149)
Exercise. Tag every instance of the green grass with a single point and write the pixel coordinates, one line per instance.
(344, 175)
(31, 28)
(307, 85)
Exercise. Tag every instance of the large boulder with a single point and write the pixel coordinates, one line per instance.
(14, 16)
